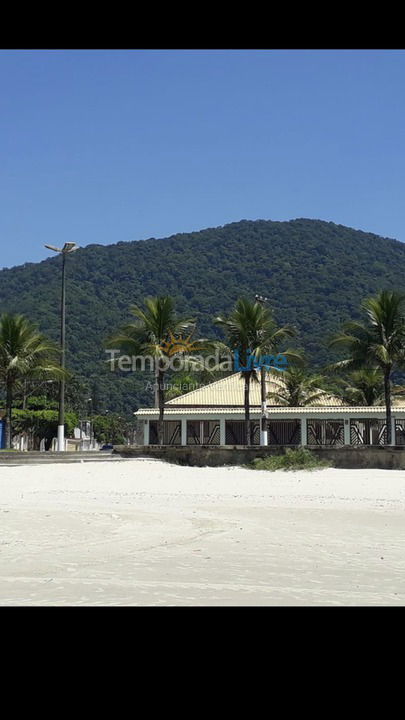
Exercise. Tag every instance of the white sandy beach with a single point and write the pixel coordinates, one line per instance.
(143, 532)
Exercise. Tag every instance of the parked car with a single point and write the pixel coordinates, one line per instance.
(106, 446)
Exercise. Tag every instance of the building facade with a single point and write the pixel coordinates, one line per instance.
(214, 415)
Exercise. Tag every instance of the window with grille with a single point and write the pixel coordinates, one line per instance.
(210, 432)
(368, 432)
(202, 432)
(399, 432)
(235, 432)
(193, 432)
(284, 432)
(325, 432)
(171, 432)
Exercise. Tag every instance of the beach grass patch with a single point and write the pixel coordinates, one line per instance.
(300, 459)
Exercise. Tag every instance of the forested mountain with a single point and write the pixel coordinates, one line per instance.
(315, 273)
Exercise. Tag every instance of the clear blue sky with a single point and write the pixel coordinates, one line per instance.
(109, 146)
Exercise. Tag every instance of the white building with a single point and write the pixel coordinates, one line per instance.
(214, 415)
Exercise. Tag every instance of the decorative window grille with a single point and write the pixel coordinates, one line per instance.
(210, 430)
(325, 432)
(193, 432)
(235, 432)
(368, 432)
(202, 432)
(284, 432)
(171, 432)
(400, 432)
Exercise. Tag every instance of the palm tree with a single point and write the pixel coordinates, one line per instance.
(24, 353)
(299, 388)
(377, 341)
(362, 387)
(150, 334)
(252, 332)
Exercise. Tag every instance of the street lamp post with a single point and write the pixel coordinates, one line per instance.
(263, 421)
(67, 248)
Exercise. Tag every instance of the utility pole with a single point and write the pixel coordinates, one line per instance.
(67, 248)
(61, 418)
(263, 390)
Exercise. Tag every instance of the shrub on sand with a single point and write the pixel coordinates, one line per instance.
(300, 459)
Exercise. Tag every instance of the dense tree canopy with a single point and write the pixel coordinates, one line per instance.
(377, 341)
(25, 354)
(314, 273)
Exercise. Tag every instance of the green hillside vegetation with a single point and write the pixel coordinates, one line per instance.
(314, 273)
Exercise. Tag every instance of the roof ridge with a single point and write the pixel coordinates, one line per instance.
(215, 382)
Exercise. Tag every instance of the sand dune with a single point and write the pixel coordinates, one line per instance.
(143, 532)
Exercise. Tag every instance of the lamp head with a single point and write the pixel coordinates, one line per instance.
(52, 247)
(69, 247)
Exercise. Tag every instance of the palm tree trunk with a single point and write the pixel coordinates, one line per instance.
(9, 405)
(263, 393)
(387, 394)
(161, 394)
(159, 402)
(247, 408)
(156, 382)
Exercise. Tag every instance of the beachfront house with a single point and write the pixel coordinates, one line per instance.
(214, 415)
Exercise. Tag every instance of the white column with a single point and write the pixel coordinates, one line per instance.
(146, 432)
(184, 431)
(303, 431)
(61, 438)
(222, 434)
(346, 431)
(392, 431)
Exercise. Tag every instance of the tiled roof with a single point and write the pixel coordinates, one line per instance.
(195, 411)
(314, 411)
(226, 397)
(230, 391)
(345, 410)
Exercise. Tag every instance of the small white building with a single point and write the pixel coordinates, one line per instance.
(214, 415)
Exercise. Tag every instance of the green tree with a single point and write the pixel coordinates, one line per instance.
(182, 383)
(299, 387)
(377, 341)
(362, 387)
(150, 335)
(42, 424)
(24, 353)
(301, 266)
(110, 428)
(251, 330)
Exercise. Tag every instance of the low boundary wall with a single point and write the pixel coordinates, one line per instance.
(370, 456)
